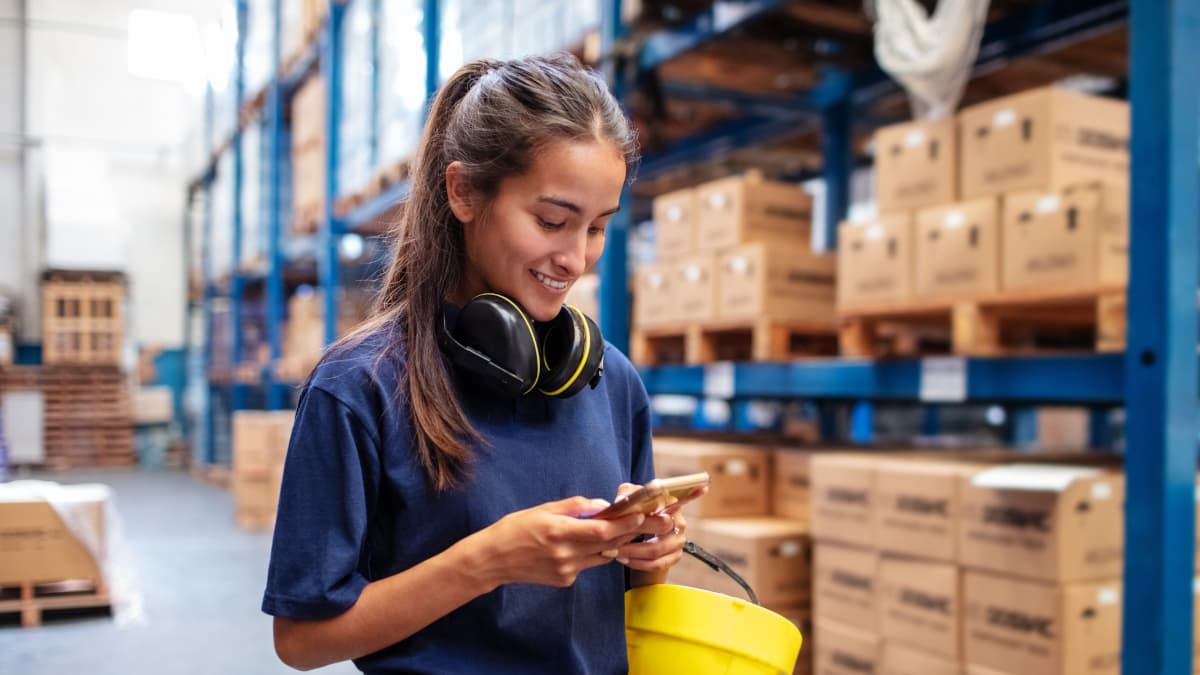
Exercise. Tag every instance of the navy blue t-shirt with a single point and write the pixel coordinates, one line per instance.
(356, 506)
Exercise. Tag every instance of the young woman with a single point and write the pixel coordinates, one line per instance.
(428, 524)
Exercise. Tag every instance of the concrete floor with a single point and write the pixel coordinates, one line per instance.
(200, 579)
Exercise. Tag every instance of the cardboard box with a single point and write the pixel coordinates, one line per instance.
(654, 302)
(675, 225)
(917, 507)
(1050, 522)
(37, 546)
(773, 555)
(1042, 139)
(740, 475)
(260, 440)
(845, 585)
(1061, 429)
(842, 489)
(308, 114)
(875, 262)
(777, 281)
(696, 288)
(1035, 628)
(898, 659)
(916, 165)
(790, 487)
(957, 250)
(744, 209)
(801, 617)
(1077, 237)
(845, 650)
(257, 493)
(585, 295)
(920, 605)
(7, 346)
(153, 405)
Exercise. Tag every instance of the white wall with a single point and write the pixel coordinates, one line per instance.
(111, 146)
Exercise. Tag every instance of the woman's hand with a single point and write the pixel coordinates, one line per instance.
(667, 531)
(551, 544)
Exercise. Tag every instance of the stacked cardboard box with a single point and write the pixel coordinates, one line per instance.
(733, 249)
(308, 155)
(304, 332)
(260, 441)
(1027, 191)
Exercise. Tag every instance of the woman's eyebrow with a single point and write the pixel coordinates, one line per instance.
(574, 208)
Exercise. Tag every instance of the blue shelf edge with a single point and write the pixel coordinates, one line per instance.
(1091, 379)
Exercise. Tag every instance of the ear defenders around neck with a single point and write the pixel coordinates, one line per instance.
(493, 339)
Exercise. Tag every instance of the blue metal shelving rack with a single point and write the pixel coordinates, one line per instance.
(1156, 380)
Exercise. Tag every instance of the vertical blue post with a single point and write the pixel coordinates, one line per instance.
(1100, 436)
(236, 285)
(1023, 427)
(209, 451)
(1160, 366)
(331, 70)
(862, 422)
(614, 264)
(432, 36)
(275, 394)
(836, 150)
(931, 420)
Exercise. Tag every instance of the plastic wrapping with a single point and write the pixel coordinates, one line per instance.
(257, 55)
(254, 166)
(77, 506)
(401, 78)
(221, 234)
(221, 66)
(354, 151)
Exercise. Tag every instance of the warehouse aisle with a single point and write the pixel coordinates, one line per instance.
(200, 579)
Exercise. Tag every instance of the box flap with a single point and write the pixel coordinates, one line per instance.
(1033, 477)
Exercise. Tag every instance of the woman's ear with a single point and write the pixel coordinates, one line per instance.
(462, 196)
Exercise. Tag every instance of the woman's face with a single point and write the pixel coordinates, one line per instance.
(545, 227)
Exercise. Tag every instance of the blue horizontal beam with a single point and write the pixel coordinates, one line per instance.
(374, 208)
(716, 21)
(1094, 379)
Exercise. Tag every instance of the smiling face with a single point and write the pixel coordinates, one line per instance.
(543, 229)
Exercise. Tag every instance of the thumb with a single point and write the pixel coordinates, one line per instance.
(577, 506)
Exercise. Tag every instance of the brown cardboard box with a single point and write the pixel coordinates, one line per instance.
(260, 440)
(958, 250)
(1077, 237)
(920, 605)
(654, 302)
(777, 280)
(744, 209)
(696, 288)
(917, 507)
(35, 544)
(842, 489)
(845, 585)
(916, 165)
(773, 555)
(1043, 139)
(740, 475)
(844, 650)
(308, 114)
(1062, 429)
(1050, 522)
(675, 225)
(898, 659)
(875, 262)
(789, 490)
(1035, 628)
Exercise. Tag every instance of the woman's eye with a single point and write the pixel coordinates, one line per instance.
(551, 226)
(596, 229)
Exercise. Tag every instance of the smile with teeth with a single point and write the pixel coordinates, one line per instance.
(548, 282)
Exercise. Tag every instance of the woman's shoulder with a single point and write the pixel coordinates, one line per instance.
(362, 363)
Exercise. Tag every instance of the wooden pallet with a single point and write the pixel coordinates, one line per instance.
(33, 600)
(82, 317)
(994, 325)
(762, 339)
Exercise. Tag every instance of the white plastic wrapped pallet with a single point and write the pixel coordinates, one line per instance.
(221, 66)
(260, 23)
(253, 194)
(221, 232)
(354, 158)
(291, 29)
(402, 70)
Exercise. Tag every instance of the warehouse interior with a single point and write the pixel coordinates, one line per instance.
(913, 282)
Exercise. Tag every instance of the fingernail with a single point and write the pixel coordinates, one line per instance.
(623, 561)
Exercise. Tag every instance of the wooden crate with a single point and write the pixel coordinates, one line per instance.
(89, 417)
(997, 324)
(33, 601)
(761, 339)
(83, 317)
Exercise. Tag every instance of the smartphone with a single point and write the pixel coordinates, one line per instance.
(655, 496)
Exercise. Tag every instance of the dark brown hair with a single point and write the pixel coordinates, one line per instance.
(493, 117)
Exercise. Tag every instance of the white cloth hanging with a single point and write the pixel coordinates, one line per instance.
(930, 56)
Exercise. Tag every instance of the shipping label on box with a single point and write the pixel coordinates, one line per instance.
(740, 475)
(842, 489)
(917, 507)
(696, 288)
(790, 488)
(1044, 139)
(1034, 628)
(916, 165)
(1077, 237)
(843, 649)
(920, 605)
(898, 659)
(957, 250)
(744, 209)
(844, 585)
(1049, 522)
(778, 281)
(654, 301)
(875, 262)
(773, 555)
(675, 225)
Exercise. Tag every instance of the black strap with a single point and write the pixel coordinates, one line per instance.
(719, 565)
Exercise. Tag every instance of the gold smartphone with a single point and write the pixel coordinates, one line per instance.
(656, 495)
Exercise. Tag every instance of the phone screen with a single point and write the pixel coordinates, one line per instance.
(656, 495)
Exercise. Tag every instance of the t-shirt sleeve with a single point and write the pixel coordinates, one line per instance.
(330, 478)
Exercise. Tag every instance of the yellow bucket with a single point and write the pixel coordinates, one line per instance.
(676, 629)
